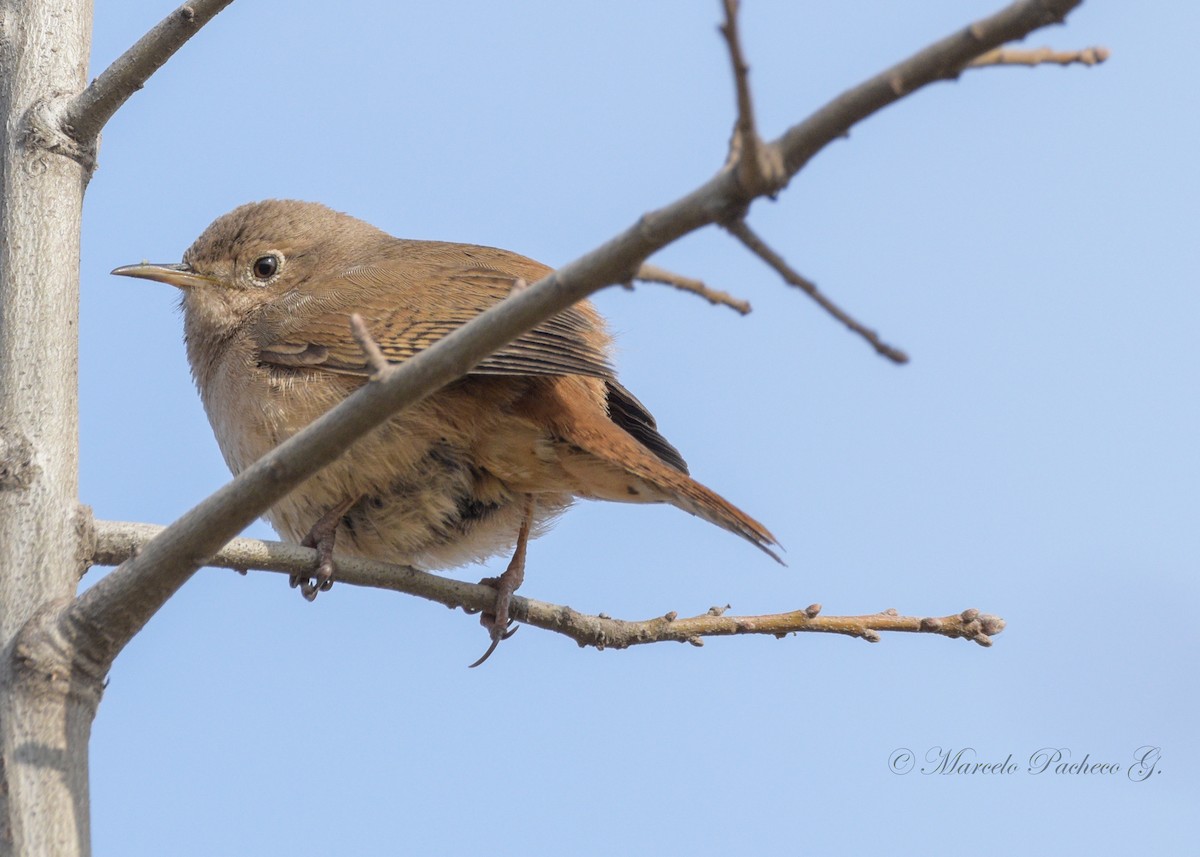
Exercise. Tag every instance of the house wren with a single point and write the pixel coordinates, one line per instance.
(466, 473)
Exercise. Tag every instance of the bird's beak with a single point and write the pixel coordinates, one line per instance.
(180, 276)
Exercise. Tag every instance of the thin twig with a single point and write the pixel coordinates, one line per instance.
(1040, 56)
(117, 541)
(653, 274)
(89, 111)
(758, 167)
(370, 348)
(741, 71)
(742, 231)
(107, 615)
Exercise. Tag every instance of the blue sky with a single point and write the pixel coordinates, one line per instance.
(1026, 235)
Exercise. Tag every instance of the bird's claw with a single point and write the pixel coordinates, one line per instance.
(496, 638)
(320, 580)
(499, 626)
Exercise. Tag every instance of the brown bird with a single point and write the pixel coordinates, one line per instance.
(471, 471)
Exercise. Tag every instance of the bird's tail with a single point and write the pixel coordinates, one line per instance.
(626, 460)
(640, 477)
(687, 494)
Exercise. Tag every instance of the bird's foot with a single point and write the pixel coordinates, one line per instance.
(321, 537)
(497, 621)
(320, 579)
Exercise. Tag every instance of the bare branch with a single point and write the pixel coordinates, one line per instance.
(117, 541)
(89, 111)
(756, 245)
(1040, 56)
(653, 274)
(113, 610)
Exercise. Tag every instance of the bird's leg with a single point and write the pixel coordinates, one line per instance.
(497, 622)
(322, 537)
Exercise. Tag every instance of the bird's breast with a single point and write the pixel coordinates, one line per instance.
(253, 408)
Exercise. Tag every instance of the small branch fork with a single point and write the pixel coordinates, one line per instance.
(105, 617)
(118, 541)
(760, 167)
(757, 166)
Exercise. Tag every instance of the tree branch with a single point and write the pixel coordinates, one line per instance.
(118, 541)
(120, 604)
(88, 112)
(742, 231)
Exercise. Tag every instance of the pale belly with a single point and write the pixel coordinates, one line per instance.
(422, 495)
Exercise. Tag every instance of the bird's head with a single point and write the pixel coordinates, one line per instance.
(254, 254)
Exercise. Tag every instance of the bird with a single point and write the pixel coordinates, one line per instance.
(472, 471)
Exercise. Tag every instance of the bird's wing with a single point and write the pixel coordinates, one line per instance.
(625, 410)
(407, 308)
(408, 305)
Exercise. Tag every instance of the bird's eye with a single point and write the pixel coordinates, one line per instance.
(265, 267)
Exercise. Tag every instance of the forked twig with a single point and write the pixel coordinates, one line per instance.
(742, 231)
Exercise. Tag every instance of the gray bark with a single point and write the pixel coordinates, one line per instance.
(46, 708)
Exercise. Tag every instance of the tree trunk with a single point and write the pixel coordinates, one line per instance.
(46, 702)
